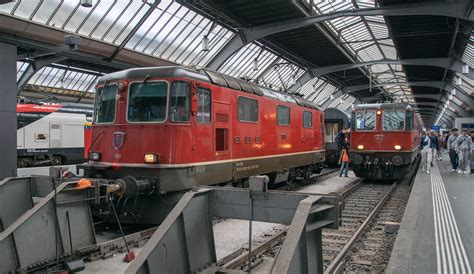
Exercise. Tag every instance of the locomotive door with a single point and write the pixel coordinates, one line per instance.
(221, 129)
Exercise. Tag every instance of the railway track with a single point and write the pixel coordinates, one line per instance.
(367, 208)
(359, 210)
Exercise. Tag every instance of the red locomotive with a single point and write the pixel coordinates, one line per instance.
(172, 128)
(385, 140)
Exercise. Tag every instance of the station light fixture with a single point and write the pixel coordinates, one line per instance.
(453, 91)
(255, 64)
(86, 3)
(458, 81)
(379, 112)
(205, 43)
(465, 69)
(450, 97)
(332, 97)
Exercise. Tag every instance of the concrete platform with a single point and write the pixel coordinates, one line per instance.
(436, 234)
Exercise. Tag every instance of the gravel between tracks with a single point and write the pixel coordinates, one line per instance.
(372, 251)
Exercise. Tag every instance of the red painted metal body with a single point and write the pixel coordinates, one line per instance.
(191, 147)
(384, 154)
(182, 143)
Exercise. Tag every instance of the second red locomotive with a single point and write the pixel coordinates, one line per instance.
(168, 129)
(385, 140)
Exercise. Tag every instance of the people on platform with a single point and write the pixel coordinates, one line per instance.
(463, 148)
(427, 144)
(341, 138)
(344, 161)
(440, 146)
(451, 147)
(434, 150)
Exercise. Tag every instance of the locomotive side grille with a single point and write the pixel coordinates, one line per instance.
(222, 118)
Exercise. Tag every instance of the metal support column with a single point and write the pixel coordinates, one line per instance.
(8, 110)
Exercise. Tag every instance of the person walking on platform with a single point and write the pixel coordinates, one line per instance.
(344, 161)
(434, 150)
(463, 145)
(440, 146)
(426, 146)
(451, 143)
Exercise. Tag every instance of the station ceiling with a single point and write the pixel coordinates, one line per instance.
(364, 51)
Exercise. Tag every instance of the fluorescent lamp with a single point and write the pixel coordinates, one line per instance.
(255, 64)
(205, 43)
(86, 3)
(465, 69)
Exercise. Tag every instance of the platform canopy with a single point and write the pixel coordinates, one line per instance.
(336, 53)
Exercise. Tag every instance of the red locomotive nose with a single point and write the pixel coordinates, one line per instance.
(118, 139)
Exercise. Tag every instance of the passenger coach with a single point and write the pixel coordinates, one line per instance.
(385, 140)
(172, 127)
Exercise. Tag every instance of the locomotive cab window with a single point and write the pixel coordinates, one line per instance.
(248, 110)
(204, 106)
(307, 119)
(365, 120)
(147, 102)
(283, 116)
(179, 102)
(393, 120)
(409, 120)
(105, 104)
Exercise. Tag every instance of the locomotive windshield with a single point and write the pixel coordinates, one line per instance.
(106, 104)
(393, 120)
(365, 120)
(147, 102)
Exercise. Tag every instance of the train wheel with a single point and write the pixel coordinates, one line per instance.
(56, 160)
(24, 162)
(308, 171)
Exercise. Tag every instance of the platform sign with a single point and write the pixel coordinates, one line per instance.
(435, 128)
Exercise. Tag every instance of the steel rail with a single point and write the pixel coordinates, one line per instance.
(338, 262)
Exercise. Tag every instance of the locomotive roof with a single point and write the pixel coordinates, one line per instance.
(208, 76)
(383, 106)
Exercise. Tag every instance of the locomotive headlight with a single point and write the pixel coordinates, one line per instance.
(94, 156)
(397, 147)
(150, 158)
(379, 112)
(360, 147)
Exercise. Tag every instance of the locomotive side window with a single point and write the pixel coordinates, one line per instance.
(248, 110)
(283, 116)
(365, 120)
(409, 120)
(204, 106)
(106, 102)
(307, 119)
(147, 102)
(179, 102)
(393, 120)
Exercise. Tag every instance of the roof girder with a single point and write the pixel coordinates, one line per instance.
(248, 35)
